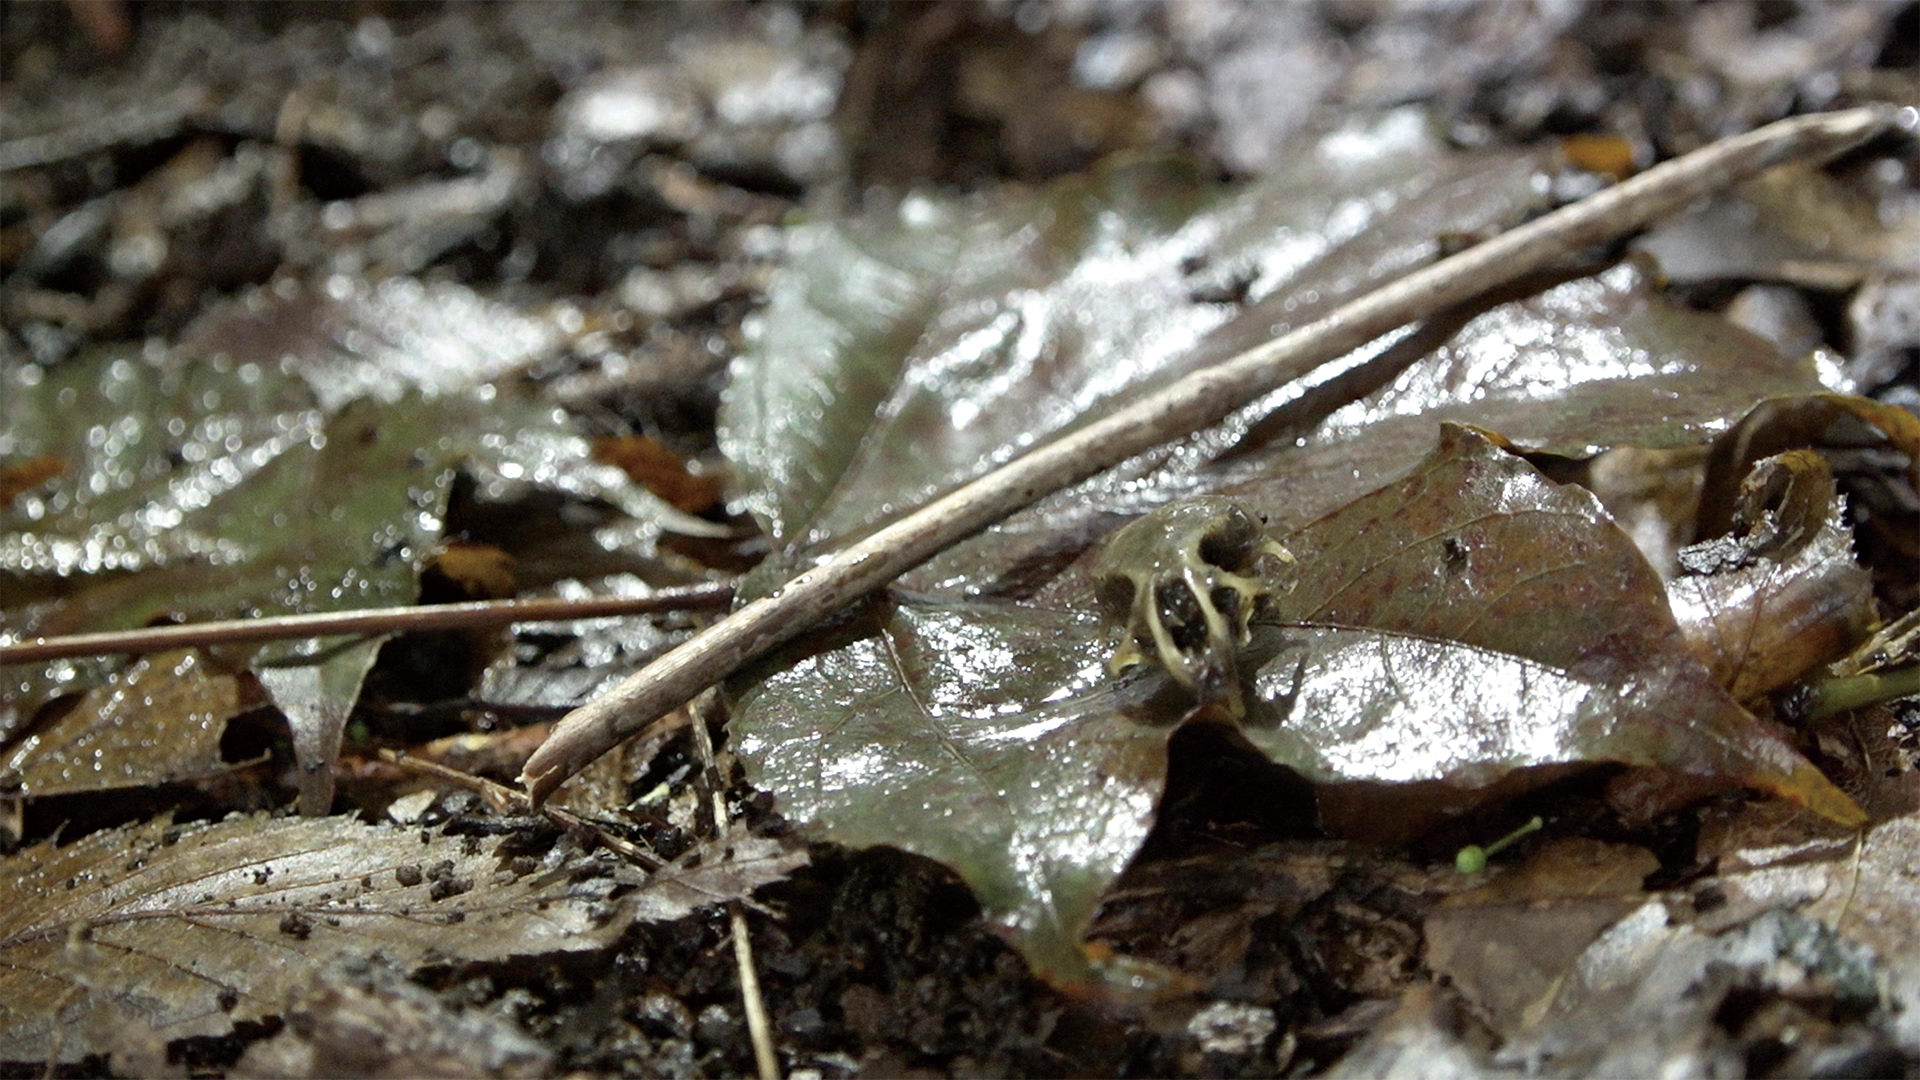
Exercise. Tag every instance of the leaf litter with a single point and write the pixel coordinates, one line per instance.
(1468, 619)
(188, 929)
(223, 478)
(978, 581)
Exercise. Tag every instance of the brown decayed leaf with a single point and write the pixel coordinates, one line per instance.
(1476, 549)
(476, 571)
(1795, 599)
(1609, 154)
(159, 720)
(1507, 944)
(26, 475)
(660, 470)
(1831, 423)
(187, 929)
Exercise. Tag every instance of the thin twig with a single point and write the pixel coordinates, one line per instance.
(504, 800)
(392, 620)
(1194, 402)
(759, 1028)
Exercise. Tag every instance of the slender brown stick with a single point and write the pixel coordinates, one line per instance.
(392, 620)
(1194, 402)
(766, 1058)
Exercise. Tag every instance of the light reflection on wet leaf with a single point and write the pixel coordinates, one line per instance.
(899, 357)
(295, 455)
(984, 736)
(1505, 622)
(158, 721)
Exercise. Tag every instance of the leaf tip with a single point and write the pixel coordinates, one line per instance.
(1810, 788)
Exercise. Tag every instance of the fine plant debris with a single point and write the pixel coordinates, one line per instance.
(961, 539)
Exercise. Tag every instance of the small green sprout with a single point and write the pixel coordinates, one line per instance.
(1473, 858)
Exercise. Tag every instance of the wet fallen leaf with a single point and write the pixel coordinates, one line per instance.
(1873, 898)
(1593, 364)
(977, 734)
(1589, 365)
(1799, 224)
(1783, 595)
(1472, 618)
(1507, 945)
(158, 721)
(1856, 434)
(899, 357)
(219, 480)
(188, 929)
(660, 470)
(357, 339)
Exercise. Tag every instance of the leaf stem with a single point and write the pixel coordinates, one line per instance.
(1196, 401)
(368, 621)
(1827, 697)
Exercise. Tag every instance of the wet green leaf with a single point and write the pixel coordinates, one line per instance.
(1594, 363)
(982, 735)
(904, 354)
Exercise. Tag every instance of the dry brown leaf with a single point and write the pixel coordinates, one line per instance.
(660, 471)
(27, 475)
(1766, 606)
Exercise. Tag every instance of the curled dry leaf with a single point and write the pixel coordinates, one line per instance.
(187, 929)
(1782, 595)
(1873, 449)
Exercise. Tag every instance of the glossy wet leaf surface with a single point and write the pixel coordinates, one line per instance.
(295, 455)
(1594, 363)
(1506, 622)
(981, 735)
(578, 208)
(901, 355)
(159, 720)
(1467, 620)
